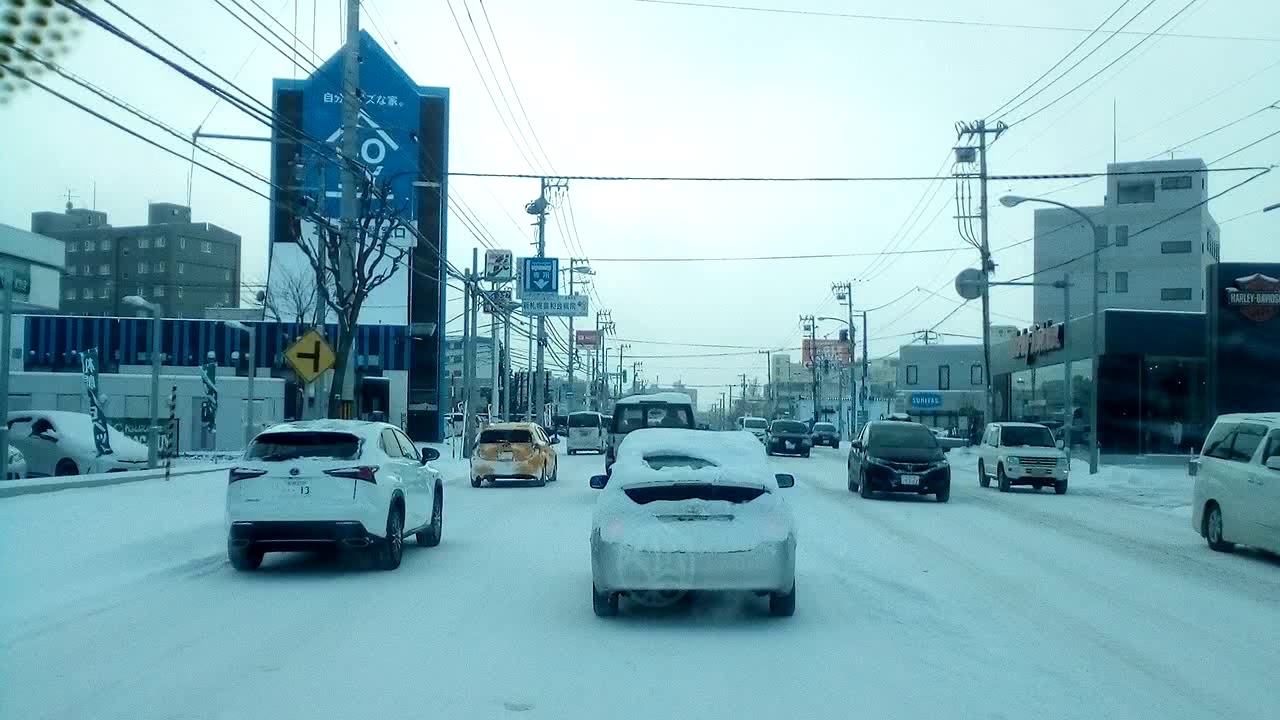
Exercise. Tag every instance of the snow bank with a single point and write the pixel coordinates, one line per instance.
(1157, 482)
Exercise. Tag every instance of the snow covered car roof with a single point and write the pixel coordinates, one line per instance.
(663, 455)
(1020, 424)
(669, 398)
(79, 427)
(361, 428)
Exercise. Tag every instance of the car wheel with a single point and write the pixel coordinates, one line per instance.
(864, 489)
(1002, 479)
(555, 474)
(66, 466)
(1213, 530)
(1060, 487)
(1038, 487)
(391, 549)
(806, 454)
(431, 536)
(836, 445)
(944, 494)
(477, 481)
(848, 474)
(244, 558)
(783, 604)
(983, 480)
(604, 604)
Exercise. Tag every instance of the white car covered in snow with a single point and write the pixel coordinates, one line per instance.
(325, 483)
(56, 442)
(687, 510)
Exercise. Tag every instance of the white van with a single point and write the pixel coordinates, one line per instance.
(1236, 498)
(587, 431)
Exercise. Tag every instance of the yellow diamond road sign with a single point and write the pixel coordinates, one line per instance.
(310, 356)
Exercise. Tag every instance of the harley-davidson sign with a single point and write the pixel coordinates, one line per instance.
(1029, 343)
(1255, 296)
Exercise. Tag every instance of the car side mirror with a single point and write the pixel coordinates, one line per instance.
(785, 480)
(429, 454)
(855, 444)
(599, 481)
(1060, 443)
(555, 439)
(1273, 462)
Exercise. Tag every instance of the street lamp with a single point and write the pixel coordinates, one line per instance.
(250, 425)
(153, 447)
(1015, 200)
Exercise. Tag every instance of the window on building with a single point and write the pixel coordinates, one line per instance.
(182, 268)
(143, 268)
(71, 270)
(1122, 282)
(144, 243)
(913, 374)
(1100, 237)
(1175, 293)
(206, 246)
(1175, 247)
(159, 291)
(105, 244)
(179, 291)
(104, 292)
(226, 297)
(89, 246)
(1122, 236)
(160, 241)
(1102, 282)
(71, 247)
(226, 275)
(104, 269)
(1177, 182)
(86, 270)
(87, 294)
(1133, 192)
(944, 377)
(159, 266)
(182, 243)
(70, 294)
(975, 375)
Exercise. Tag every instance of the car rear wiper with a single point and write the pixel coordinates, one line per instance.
(277, 457)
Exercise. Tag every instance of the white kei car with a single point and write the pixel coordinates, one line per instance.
(1236, 497)
(57, 442)
(1017, 453)
(688, 510)
(324, 483)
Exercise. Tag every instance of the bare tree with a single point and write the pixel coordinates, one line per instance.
(375, 258)
(290, 296)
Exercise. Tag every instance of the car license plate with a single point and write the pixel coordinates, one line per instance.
(791, 446)
(504, 456)
(910, 479)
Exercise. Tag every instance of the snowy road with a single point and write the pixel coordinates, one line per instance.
(119, 603)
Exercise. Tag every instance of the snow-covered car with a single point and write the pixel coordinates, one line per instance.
(17, 465)
(56, 442)
(899, 457)
(324, 483)
(651, 410)
(1022, 454)
(686, 511)
(1236, 496)
(515, 451)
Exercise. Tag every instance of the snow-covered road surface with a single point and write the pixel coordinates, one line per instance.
(119, 603)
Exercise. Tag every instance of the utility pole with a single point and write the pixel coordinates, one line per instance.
(810, 325)
(730, 408)
(7, 276)
(494, 312)
(350, 150)
(768, 368)
(528, 388)
(506, 365)
(621, 349)
(635, 375)
(844, 292)
(862, 398)
(979, 129)
(573, 401)
(469, 320)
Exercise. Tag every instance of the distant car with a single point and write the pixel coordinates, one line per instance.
(57, 442)
(325, 483)
(17, 465)
(514, 451)
(1022, 454)
(1236, 494)
(825, 433)
(898, 456)
(587, 432)
(757, 426)
(687, 511)
(639, 412)
(788, 437)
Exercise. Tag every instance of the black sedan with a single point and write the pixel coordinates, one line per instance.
(825, 433)
(900, 457)
(787, 437)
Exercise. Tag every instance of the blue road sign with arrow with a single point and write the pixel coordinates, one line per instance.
(539, 275)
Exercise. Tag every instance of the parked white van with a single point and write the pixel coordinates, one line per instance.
(1237, 483)
(587, 432)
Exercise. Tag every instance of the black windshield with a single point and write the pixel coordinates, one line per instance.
(584, 420)
(787, 426)
(902, 435)
(1013, 436)
(291, 445)
(824, 427)
(506, 436)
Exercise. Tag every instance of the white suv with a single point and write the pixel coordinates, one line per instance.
(1237, 483)
(324, 483)
(1017, 453)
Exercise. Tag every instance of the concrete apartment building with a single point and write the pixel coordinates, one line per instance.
(184, 266)
(1157, 237)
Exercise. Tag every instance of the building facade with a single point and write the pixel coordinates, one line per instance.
(941, 385)
(40, 258)
(1155, 238)
(184, 267)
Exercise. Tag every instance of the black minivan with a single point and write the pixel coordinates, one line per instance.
(901, 457)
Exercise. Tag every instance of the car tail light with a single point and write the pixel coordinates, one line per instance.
(238, 474)
(363, 472)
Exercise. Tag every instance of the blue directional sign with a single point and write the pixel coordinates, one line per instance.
(539, 275)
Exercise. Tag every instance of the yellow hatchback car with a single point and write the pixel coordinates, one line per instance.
(514, 451)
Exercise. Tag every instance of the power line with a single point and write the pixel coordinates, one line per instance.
(939, 21)
(806, 179)
(752, 258)
(516, 93)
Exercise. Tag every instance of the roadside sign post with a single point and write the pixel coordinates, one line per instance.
(310, 356)
(6, 326)
(539, 275)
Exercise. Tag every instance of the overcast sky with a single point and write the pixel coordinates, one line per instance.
(619, 87)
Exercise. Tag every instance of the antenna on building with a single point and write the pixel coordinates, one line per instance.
(70, 196)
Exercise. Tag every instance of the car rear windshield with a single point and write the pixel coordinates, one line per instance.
(657, 462)
(693, 491)
(787, 426)
(755, 423)
(584, 420)
(280, 446)
(506, 436)
(1014, 436)
(646, 415)
(902, 435)
(824, 427)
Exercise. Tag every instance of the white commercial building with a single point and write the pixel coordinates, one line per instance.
(1156, 238)
(44, 258)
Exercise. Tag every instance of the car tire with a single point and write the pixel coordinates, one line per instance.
(391, 550)
(66, 467)
(983, 480)
(944, 494)
(1213, 530)
(477, 482)
(1060, 487)
(555, 474)
(430, 537)
(864, 489)
(542, 478)
(848, 474)
(1002, 479)
(604, 604)
(806, 454)
(768, 451)
(783, 604)
(835, 445)
(244, 558)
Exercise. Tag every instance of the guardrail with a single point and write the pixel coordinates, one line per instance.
(32, 486)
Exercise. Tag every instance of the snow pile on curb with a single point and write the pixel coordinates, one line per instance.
(1165, 487)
